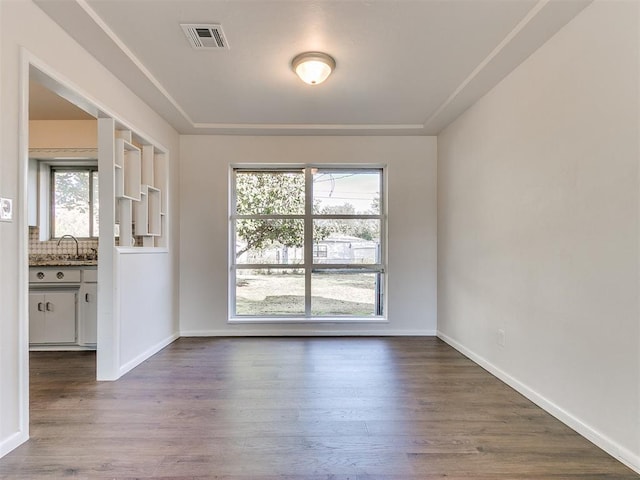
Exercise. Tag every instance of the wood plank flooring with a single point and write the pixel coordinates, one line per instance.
(294, 408)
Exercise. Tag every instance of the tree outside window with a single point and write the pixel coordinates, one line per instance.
(75, 203)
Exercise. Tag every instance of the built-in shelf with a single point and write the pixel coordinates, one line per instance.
(141, 213)
(128, 159)
(126, 135)
(148, 165)
(154, 217)
(126, 222)
(140, 178)
(119, 180)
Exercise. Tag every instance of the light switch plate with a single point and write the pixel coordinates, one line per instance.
(6, 209)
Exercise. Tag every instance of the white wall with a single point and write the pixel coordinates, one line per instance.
(25, 25)
(538, 228)
(144, 300)
(204, 223)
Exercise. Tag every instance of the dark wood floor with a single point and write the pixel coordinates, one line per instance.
(291, 408)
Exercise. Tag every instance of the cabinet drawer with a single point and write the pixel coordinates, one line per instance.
(90, 275)
(54, 275)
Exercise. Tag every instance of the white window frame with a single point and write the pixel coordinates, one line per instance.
(42, 183)
(91, 169)
(308, 265)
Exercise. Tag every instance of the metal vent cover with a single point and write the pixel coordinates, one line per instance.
(205, 36)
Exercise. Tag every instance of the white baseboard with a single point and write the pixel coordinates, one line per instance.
(12, 442)
(130, 365)
(614, 449)
(61, 348)
(280, 332)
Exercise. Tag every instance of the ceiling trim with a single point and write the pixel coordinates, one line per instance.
(135, 60)
(63, 153)
(273, 128)
(309, 126)
(494, 53)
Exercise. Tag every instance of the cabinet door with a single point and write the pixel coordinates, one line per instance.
(88, 314)
(60, 317)
(52, 317)
(37, 327)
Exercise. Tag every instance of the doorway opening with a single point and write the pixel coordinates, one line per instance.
(62, 222)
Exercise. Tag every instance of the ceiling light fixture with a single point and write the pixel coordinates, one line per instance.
(313, 67)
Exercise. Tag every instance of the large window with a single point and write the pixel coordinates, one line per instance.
(74, 202)
(307, 243)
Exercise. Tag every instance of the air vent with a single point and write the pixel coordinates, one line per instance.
(202, 36)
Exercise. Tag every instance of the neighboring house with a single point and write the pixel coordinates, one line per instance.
(338, 248)
(335, 248)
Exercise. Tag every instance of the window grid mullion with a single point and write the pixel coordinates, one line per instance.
(335, 216)
(266, 266)
(365, 267)
(308, 239)
(267, 217)
(232, 244)
(52, 203)
(91, 233)
(90, 204)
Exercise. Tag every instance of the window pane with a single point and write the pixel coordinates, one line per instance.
(340, 293)
(270, 241)
(71, 203)
(270, 291)
(270, 193)
(96, 204)
(346, 241)
(346, 192)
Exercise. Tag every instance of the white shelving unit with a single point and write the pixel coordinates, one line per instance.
(148, 165)
(126, 238)
(154, 199)
(161, 180)
(128, 172)
(140, 176)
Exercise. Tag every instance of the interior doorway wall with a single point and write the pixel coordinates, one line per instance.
(136, 291)
(33, 43)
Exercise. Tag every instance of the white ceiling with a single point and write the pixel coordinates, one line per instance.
(403, 66)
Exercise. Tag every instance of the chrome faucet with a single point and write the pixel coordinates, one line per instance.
(74, 239)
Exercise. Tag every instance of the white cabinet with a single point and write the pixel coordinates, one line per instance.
(52, 316)
(63, 307)
(88, 308)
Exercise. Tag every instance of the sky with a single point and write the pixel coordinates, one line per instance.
(338, 188)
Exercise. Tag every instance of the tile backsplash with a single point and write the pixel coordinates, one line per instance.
(50, 247)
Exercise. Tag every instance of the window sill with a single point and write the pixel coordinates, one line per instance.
(307, 320)
(133, 250)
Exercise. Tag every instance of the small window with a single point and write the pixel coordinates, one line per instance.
(280, 215)
(320, 251)
(74, 202)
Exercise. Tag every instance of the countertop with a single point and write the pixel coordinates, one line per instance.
(52, 261)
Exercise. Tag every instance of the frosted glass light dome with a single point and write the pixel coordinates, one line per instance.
(313, 67)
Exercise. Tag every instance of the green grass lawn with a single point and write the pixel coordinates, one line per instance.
(283, 294)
